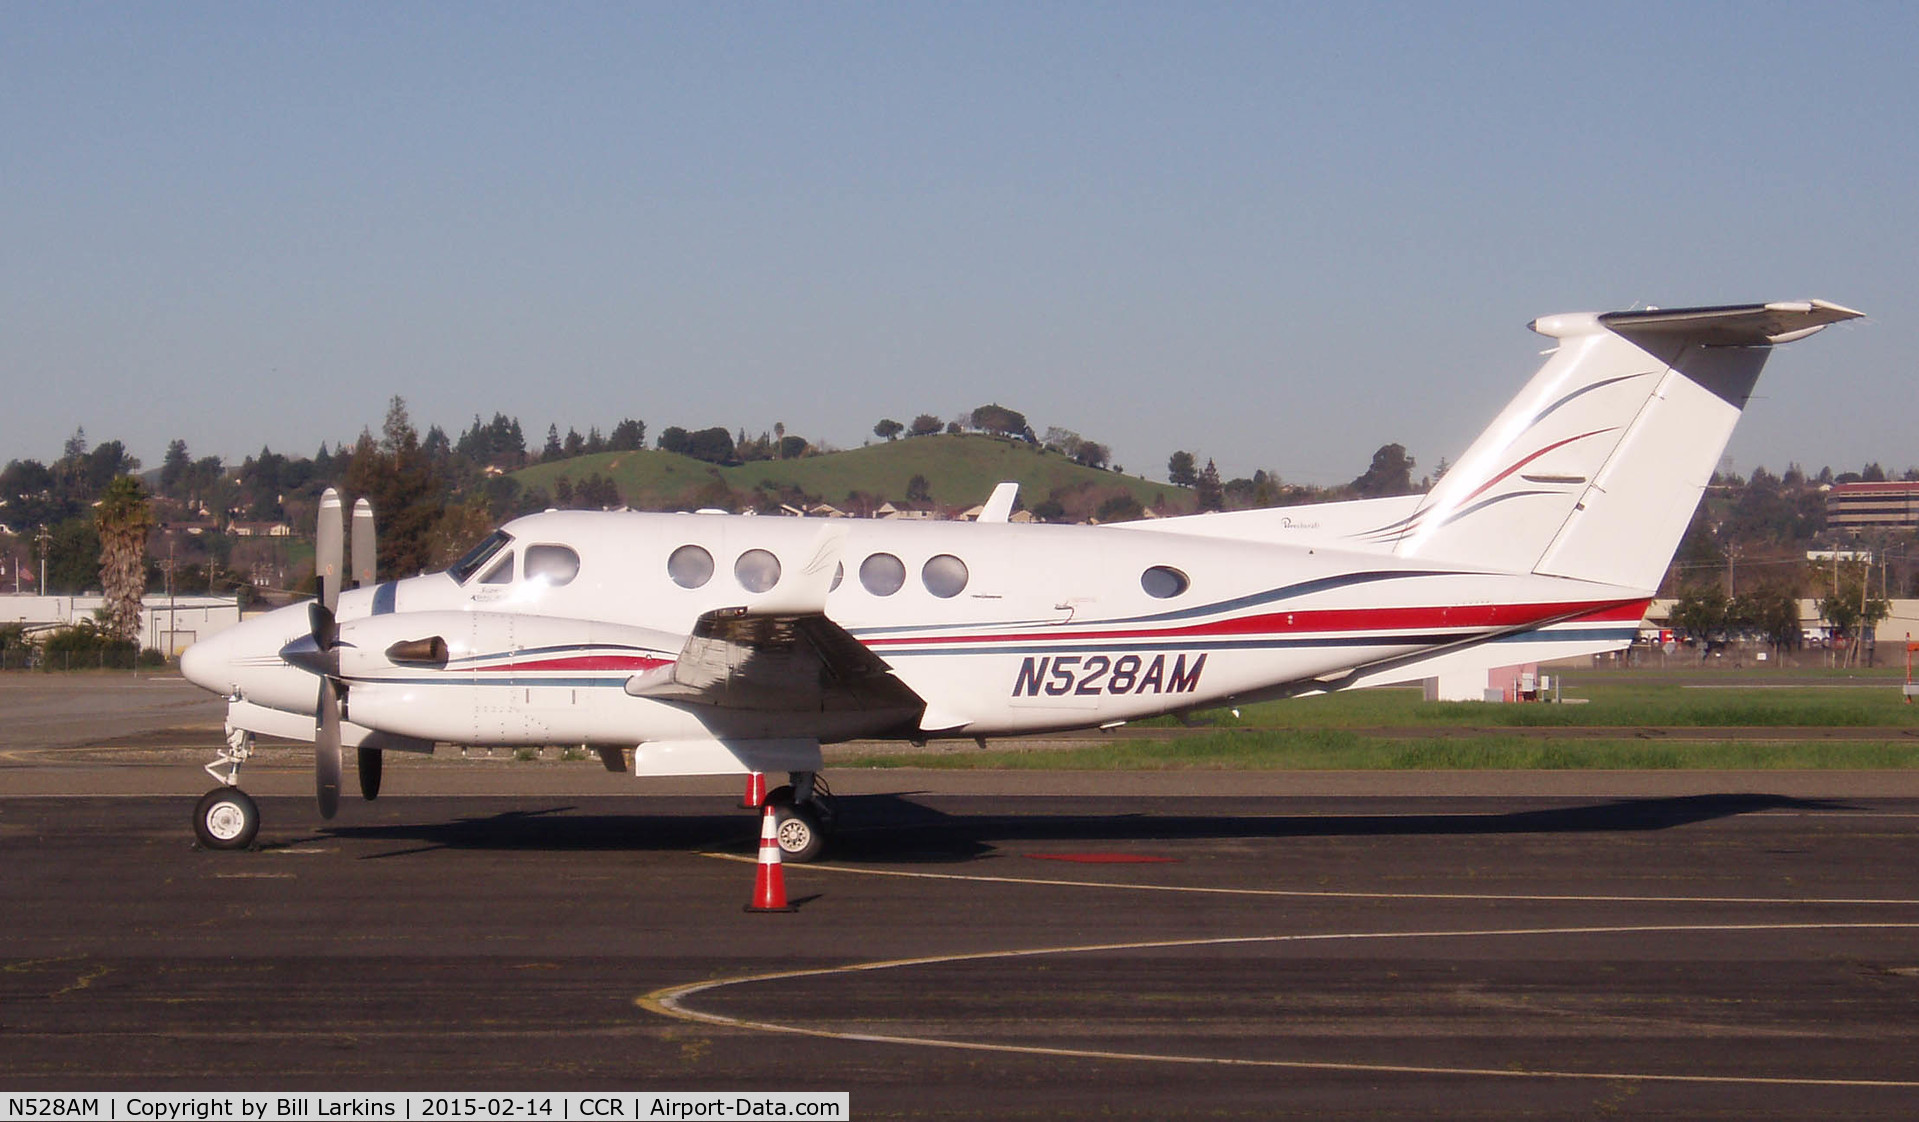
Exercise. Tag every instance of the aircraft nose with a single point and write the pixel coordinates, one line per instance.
(205, 664)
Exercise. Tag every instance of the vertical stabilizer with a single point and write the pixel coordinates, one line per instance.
(1594, 470)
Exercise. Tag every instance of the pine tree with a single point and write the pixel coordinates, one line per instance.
(1209, 491)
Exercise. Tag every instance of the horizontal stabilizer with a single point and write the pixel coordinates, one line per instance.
(1739, 325)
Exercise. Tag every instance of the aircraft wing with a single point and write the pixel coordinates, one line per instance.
(775, 661)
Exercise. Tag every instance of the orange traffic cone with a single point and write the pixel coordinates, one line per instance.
(755, 796)
(769, 879)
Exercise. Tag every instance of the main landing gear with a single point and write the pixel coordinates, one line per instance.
(226, 817)
(803, 816)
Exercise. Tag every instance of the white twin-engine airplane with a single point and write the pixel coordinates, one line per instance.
(713, 644)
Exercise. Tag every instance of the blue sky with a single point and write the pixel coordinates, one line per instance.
(1279, 236)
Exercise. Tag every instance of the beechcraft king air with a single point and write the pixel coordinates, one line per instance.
(714, 644)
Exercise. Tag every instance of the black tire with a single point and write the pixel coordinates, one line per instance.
(798, 827)
(226, 819)
(372, 762)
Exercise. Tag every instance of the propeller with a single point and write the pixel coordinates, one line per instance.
(371, 760)
(319, 649)
(329, 558)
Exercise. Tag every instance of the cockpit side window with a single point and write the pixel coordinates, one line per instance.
(500, 573)
(554, 564)
(465, 567)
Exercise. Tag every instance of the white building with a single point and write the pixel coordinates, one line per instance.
(167, 623)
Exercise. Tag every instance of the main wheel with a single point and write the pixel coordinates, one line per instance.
(226, 819)
(372, 763)
(801, 834)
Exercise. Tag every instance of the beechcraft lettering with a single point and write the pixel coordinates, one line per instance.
(715, 644)
(1092, 675)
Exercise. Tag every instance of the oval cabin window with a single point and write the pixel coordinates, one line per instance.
(757, 570)
(1163, 582)
(882, 574)
(944, 576)
(690, 566)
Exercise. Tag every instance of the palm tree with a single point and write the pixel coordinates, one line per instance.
(123, 518)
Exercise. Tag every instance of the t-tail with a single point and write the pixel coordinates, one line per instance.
(1594, 470)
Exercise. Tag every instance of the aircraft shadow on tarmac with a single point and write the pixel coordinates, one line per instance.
(895, 829)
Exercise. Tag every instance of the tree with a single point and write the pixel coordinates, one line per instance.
(888, 429)
(436, 446)
(1772, 610)
(714, 445)
(1001, 421)
(122, 520)
(1211, 494)
(575, 444)
(1391, 473)
(72, 556)
(397, 430)
(925, 425)
(1181, 469)
(628, 436)
(1849, 607)
(407, 494)
(918, 490)
(1701, 612)
(174, 469)
(1119, 508)
(553, 449)
(1092, 454)
(673, 439)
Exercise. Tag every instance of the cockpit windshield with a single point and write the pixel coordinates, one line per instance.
(465, 567)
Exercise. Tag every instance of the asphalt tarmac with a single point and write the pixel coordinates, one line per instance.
(979, 945)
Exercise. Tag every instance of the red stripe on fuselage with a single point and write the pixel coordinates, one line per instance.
(584, 662)
(1335, 621)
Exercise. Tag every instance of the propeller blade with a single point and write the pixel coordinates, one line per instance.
(364, 542)
(326, 749)
(372, 761)
(329, 544)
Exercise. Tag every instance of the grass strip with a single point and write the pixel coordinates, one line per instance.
(1343, 750)
(1605, 705)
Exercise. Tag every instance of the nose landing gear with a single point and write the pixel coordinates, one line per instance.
(226, 817)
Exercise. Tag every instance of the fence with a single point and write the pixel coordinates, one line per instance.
(33, 658)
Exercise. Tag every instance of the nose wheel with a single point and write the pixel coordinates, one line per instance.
(226, 819)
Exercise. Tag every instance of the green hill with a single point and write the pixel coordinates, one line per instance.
(960, 472)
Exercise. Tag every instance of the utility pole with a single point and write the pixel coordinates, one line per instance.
(42, 538)
(172, 616)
